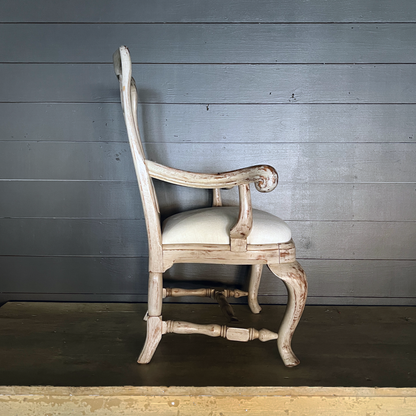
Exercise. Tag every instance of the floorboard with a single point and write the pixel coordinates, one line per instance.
(80, 358)
(81, 344)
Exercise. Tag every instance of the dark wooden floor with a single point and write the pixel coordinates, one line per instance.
(70, 344)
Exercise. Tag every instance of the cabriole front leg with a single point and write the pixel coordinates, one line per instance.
(294, 278)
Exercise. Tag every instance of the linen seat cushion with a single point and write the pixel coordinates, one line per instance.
(213, 225)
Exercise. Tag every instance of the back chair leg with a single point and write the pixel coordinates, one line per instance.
(294, 278)
(154, 321)
(253, 288)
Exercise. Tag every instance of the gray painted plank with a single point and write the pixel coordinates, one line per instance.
(314, 239)
(121, 200)
(337, 202)
(62, 122)
(187, 83)
(343, 278)
(163, 123)
(212, 11)
(354, 240)
(50, 237)
(204, 43)
(87, 200)
(125, 279)
(295, 162)
(76, 276)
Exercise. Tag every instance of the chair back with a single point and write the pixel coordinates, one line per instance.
(128, 93)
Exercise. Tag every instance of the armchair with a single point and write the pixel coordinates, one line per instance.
(216, 235)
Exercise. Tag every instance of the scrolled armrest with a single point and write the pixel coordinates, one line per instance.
(264, 177)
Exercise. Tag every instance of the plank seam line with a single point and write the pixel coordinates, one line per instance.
(115, 256)
(358, 103)
(76, 218)
(233, 301)
(210, 63)
(202, 104)
(141, 219)
(225, 22)
(131, 181)
(81, 256)
(190, 142)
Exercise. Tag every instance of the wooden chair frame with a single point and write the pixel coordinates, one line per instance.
(280, 258)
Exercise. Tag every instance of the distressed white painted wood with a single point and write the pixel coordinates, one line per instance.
(264, 177)
(209, 293)
(216, 197)
(294, 278)
(253, 288)
(232, 334)
(280, 257)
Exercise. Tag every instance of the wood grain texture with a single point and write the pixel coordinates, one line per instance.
(210, 83)
(198, 405)
(204, 43)
(215, 124)
(192, 404)
(216, 11)
(362, 337)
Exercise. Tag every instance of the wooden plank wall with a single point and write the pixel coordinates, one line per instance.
(323, 91)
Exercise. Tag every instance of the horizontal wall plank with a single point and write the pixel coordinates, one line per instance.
(335, 202)
(354, 240)
(121, 200)
(62, 122)
(213, 11)
(314, 239)
(125, 279)
(165, 123)
(295, 162)
(187, 83)
(205, 43)
(353, 279)
(76, 276)
(46, 237)
(327, 278)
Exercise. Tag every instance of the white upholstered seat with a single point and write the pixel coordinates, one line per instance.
(212, 226)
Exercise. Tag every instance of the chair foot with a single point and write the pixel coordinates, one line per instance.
(153, 337)
(253, 288)
(294, 278)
